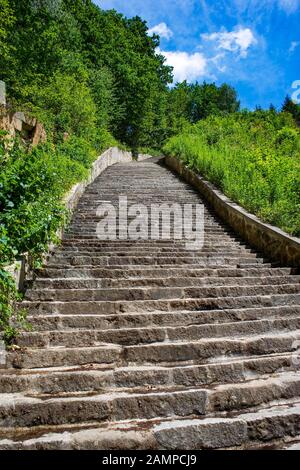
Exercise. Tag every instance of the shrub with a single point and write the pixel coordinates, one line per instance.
(253, 158)
(32, 185)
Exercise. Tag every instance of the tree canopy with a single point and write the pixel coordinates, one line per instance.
(81, 70)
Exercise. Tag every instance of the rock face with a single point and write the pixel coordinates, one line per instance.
(19, 124)
(145, 345)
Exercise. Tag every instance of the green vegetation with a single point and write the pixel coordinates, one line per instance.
(189, 103)
(32, 185)
(81, 70)
(290, 107)
(253, 157)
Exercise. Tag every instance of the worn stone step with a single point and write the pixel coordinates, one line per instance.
(228, 397)
(135, 251)
(260, 426)
(191, 267)
(97, 378)
(21, 411)
(246, 430)
(112, 307)
(32, 410)
(92, 235)
(160, 245)
(127, 336)
(90, 217)
(207, 349)
(139, 263)
(162, 232)
(189, 259)
(104, 283)
(153, 293)
(61, 356)
(154, 319)
(161, 352)
(159, 272)
(83, 224)
(70, 255)
(94, 242)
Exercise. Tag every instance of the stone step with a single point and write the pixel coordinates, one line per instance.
(112, 307)
(153, 293)
(21, 410)
(61, 356)
(89, 215)
(104, 283)
(209, 234)
(161, 319)
(127, 251)
(192, 261)
(158, 272)
(148, 335)
(208, 349)
(171, 244)
(157, 267)
(135, 252)
(97, 377)
(242, 430)
(254, 429)
(162, 230)
(160, 352)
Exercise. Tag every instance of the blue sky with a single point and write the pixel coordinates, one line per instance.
(252, 44)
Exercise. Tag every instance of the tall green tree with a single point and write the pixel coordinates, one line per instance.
(290, 107)
(7, 20)
(193, 102)
(111, 55)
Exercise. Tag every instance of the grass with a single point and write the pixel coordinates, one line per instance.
(253, 157)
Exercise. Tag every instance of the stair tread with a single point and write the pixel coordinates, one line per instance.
(138, 434)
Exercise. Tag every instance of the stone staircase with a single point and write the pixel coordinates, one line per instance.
(145, 345)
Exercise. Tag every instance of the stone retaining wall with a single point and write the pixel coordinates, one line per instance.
(275, 244)
(143, 156)
(109, 157)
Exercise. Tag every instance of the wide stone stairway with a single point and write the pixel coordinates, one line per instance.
(146, 345)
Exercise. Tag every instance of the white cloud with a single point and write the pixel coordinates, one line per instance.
(289, 6)
(293, 46)
(239, 40)
(186, 66)
(162, 30)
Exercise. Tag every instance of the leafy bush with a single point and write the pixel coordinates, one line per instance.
(32, 185)
(79, 150)
(69, 104)
(253, 158)
(11, 318)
